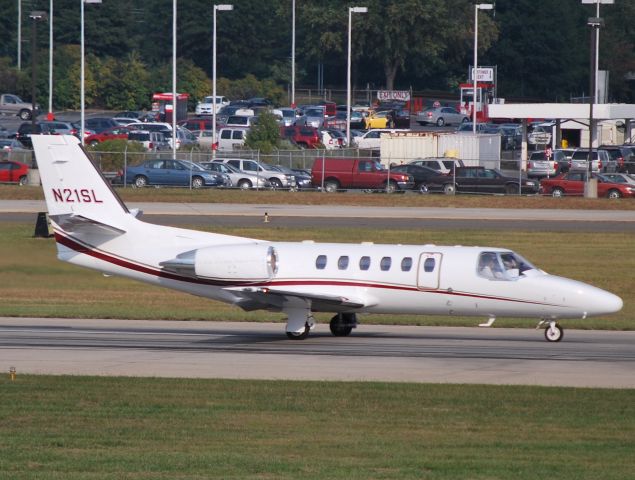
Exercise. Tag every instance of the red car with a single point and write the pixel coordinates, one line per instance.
(572, 183)
(302, 136)
(13, 172)
(112, 133)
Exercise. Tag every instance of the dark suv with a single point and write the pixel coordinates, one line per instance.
(26, 130)
(621, 159)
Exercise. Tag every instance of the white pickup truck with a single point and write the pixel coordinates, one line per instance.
(13, 105)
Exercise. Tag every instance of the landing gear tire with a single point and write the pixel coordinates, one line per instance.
(300, 335)
(342, 324)
(554, 333)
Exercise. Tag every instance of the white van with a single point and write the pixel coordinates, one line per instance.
(231, 138)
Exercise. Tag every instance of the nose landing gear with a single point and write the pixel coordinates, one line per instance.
(554, 332)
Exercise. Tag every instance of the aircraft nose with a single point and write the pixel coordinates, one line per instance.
(606, 302)
(600, 302)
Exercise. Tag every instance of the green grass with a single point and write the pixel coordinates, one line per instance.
(185, 195)
(34, 283)
(136, 428)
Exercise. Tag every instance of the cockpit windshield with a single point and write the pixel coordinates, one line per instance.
(502, 265)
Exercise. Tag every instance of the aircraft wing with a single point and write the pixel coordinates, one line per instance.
(261, 297)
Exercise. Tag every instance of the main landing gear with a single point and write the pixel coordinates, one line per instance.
(342, 324)
(554, 332)
(300, 322)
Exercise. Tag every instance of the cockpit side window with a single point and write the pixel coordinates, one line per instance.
(502, 265)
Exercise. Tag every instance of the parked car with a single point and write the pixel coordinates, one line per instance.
(573, 182)
(286, 116)
(240, 121)
(620, 178)
(202, 123)
(546, 163)
(112, 133)
(8, 145)
(371, 139)
(152, 141)
(440, 164)
(175, 173)
(311, 117)
(240, 179)
(482, 180)
(364, 173)
(629, 163)
(338, 135)
(13, 172)
(303, 137)
(209, 104)
(302, 178)
(56, 127)
(421, 175)
(383, 119)
(123, 121)
(128, 114)
(511, 136)
(357, 120)
(205, 138)
(580, 159)
(25, 130)
(466, 128)
(13, 105)
(441, 116)
(620, 157)
(231, 138)
(99, 124)
(276, 178)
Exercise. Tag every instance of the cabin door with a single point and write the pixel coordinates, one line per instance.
(429, 270)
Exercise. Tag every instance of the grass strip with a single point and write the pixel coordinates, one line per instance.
(409, 199)
(71, 428)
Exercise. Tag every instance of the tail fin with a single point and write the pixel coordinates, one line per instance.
(73, 186)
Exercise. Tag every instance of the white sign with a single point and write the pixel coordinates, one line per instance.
(385, 95)
(483, 74)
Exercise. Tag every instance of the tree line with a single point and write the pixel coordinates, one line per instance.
(541, 48)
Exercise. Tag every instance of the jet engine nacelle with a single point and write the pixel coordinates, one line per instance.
(249, 262)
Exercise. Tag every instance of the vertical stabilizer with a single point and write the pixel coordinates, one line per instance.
(72, 185)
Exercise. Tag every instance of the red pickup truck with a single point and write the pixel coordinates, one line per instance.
(341, 173)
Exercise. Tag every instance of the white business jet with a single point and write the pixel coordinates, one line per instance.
(94, 229)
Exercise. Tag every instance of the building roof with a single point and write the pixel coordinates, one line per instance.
(601, 111)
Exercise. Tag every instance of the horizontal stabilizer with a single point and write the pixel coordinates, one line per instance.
(255, 298)
(79, 224)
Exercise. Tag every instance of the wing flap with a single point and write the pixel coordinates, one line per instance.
(263, 297)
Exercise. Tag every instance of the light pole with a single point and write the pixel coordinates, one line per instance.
(35, 17)
(222, 8)
(50, 110)
(351, 10)
(591, 188)
(477, 7)
(174, 135)
(293, 53)
(19, 34)
(597, 35)
(82, 70)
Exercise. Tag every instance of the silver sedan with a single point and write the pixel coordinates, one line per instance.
(441, 116)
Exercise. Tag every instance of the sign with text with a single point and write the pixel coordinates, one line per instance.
(386, 95)
(483, 74)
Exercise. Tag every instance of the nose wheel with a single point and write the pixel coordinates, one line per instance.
(554, 332)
